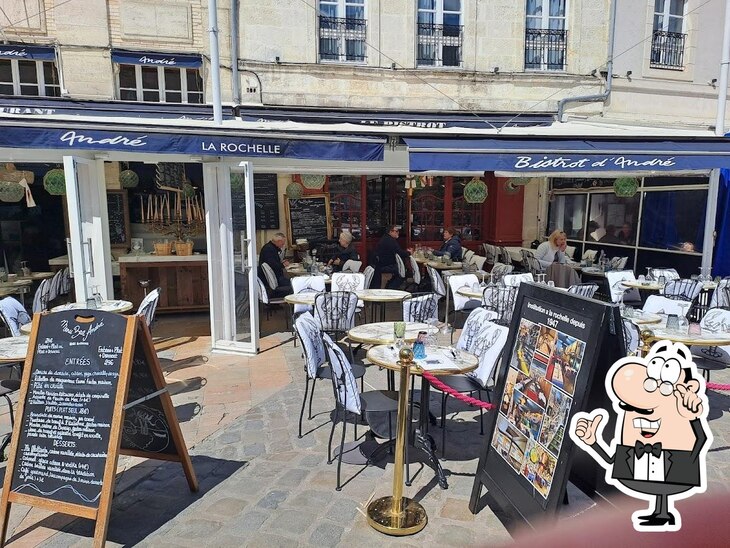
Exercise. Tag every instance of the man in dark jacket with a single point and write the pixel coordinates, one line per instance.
(451, 245)
(270, 255)
(385, 252)
(345, 252)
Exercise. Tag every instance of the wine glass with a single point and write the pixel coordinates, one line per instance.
(648, 273)
(399, 333)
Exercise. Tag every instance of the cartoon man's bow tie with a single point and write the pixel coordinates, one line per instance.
(643, 448)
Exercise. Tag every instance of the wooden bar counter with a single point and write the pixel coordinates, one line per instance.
(184, 280)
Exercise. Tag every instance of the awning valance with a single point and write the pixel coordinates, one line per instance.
(125, 57)
(566, 155)
(27, 53)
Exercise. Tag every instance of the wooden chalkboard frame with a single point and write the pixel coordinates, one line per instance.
(136, 332)
(506, 487)
(289, 227)
(125, 205)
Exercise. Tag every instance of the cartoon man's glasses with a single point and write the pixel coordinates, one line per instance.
(665, 388)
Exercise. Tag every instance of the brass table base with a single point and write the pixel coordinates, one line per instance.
(381, 517)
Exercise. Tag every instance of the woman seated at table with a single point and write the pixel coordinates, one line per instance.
(451, 245)
(345, 252)
(552, 251)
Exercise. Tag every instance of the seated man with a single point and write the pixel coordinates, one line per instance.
(270, 254)
(385, 253)
(451, 245)
(345, 252)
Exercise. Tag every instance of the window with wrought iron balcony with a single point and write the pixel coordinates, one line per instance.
(545, 49)
(342, 39)
(439, 45)
(667, 50)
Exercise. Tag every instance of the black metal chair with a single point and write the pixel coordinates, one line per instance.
(335, 312)
(420, 307)
(683, 289)
(584, 290)
(500, 299)
(632, 337)
(713, 358)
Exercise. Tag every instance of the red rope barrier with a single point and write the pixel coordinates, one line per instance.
(717, 386)
(458, 395)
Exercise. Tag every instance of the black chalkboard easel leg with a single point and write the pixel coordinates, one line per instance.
(566, 500)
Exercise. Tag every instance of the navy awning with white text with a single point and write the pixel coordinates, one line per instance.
(27, 53)
(566, 155)
(125, 57)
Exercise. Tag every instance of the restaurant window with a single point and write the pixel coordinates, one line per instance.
(674, 219)
(668, 38)
(613, 220)
(568, 213)
(440, 33)
(342, 31)
(30, 78)
(161, 84)
(546, 35)
(465, 217)
(427, 212)
(345, 203)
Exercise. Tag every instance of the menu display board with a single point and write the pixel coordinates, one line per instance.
(266, 202)
(552, 351)
(118, 211)
(309, 218)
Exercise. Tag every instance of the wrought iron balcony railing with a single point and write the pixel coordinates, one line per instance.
(545, 49)
(342, 39)
(667, 50)
(439, 45)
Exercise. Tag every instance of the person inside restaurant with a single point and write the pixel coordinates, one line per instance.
(271, 255)
(552, 251)
(451, 245)
(345, 252)
(385, 252)
(626, 234)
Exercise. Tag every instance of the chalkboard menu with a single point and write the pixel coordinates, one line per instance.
(118, 211)
(67, 416)
(554, 347)
(309, 218)
(266, 203)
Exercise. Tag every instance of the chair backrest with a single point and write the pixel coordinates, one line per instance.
(631, 336)
(351, 266)
(148, 306)
(472, 326)
(488, 347)
(437, 282)
(54, 289)
(335, 311)
(618, 263)
(720, 296)
(369, 272)
(400, 265)
(13, 315)
(526, 254)
(348, 281)
(479, 261)
(456, 282)
(416, 271)
(504, 255)
(40, 299)
(617, 289)
(65, 281)
(658, 304)
(668, 273)
(686, 290)
(500, 270)
(500, 299)
(716, 320)
(306, 284)
(467, 255)
(533, 265)
(514, 280)
(269, 275)
(490, 252)
(585, 290)
(570, 251)
(310, 335)
(420, 307)
(589, 255)
(343, 380)
(263, 294)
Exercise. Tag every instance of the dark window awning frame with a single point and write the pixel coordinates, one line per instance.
(148, 58)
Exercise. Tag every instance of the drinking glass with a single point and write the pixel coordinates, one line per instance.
(648, 273)
(551, 283)
(399, 333)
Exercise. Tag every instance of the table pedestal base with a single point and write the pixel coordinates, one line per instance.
(409, 521)
(425, 443)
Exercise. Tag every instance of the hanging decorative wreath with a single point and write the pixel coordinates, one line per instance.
(188, 190)
(313, 182)
(625, 187)
(475, 191)
(294, 191)
(128, 179)
(54, 181)
(11, 191)
(237, 181)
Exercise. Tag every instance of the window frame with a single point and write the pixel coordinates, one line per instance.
(438, 12)
(341, 13)
(545, 19)
(662, 63)
(40, 78)
(139, 89)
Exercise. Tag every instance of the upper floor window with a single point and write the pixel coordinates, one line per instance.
(667, 44)
(342, 31)
(440, 33)
(28, 70)
(546, 35)
(159, 78)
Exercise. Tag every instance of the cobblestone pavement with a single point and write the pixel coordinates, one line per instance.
(263, 486)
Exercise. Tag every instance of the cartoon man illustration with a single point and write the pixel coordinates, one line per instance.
(661, 439)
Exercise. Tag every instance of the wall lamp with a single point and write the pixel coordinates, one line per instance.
(713, 82)
(277, 60)
(495, 70)
(628, 75)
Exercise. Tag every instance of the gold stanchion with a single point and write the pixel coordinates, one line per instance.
(647, 336)
(399, 515)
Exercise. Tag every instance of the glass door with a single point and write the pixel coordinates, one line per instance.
(232, 257)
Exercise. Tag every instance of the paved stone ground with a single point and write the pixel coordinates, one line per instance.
(263, 486)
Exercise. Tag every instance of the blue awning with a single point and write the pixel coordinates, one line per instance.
(176, 142)
(27, 53)
(126, 57)
(533, 155)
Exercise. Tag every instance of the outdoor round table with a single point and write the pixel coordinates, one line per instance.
(704, 339)
(301, 271)
(639, 317)
(470, 292)
(438, 265)
(26, 328)
(106, 306)
(305, 298)
(13, 349)
(380, 297)
(644, 286)
(439, 361)
(382, 332)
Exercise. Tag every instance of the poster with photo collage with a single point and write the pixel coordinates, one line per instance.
(537, 398)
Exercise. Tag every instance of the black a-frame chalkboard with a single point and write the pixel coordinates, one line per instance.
(558, 352)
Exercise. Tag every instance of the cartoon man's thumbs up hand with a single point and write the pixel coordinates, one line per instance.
(586, 425)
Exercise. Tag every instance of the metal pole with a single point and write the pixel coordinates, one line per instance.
(235, 85)
(215, 61)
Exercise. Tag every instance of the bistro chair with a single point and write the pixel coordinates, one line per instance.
(306, 284)
(501, 300)
(364, 405)
(667, 273)
(479, 262)
(619, 292)
(348, 281)
(713, 358)
(490, 252)
(532, 265)
(415, 284)
(420, 307)
(618, 263)
(54, 286)
(148, 306)
(437, 282)
(658, 304)
(504, 256)
(487, 345)
(269, 276)
(682, 289)
(315, 359)
(13, 315)
(401, 266)
(335, 312)
(585, 290)
(351, 266)
(461, 303)
(41, 297)
(499, 271)
(369, 272)
(632, 337)
(268, 302)
(514, 280)
(467, 255)
(721, 295)
(65, 281)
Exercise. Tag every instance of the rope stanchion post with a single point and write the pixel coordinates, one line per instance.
(433, 380)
